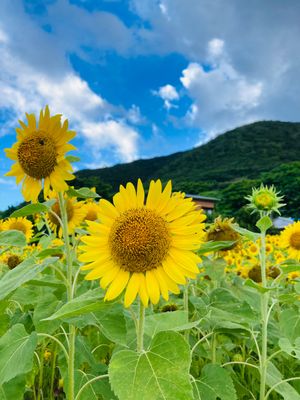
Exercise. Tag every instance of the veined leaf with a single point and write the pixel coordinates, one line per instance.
(12, 238)
(16, 352)
(160, 373)
(214, 383)
(30, 209)
(24, 272)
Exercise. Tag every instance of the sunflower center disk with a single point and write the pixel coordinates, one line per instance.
(295, 240)
(139, 240)
(37, 155)
(56, 209)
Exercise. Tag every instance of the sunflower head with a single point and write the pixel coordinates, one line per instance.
(265, 198)
(75, 214)
(13, 260)
(222, 230)
(169, 307)
(39, 154)
(290, 239)
(145, 245)
(21, 224)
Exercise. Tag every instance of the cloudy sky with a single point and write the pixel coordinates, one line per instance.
(141, 78)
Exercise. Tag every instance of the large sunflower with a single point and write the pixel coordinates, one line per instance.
(40, 155)
(290, 239)
(75, 214)
(21, 224)
(147, 246)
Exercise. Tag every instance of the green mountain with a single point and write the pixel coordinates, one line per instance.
(226, 167)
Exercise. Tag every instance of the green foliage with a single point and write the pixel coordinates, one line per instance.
(160, 372)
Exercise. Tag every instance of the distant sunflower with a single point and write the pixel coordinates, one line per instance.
(40, 155)
(91, 211)
(74, 214)
(147, 246)
(290, 239)
(21, 224)
(1, 225)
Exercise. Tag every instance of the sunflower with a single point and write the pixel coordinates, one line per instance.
(40, 155)
(75, 214)
(290, 239)
(223, 230)
(91, 211)
(147, 246)
(21, 224)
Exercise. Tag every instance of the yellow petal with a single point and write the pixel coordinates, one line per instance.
(132, 289)
(140, 194)
(152, 287)
(109, 277)
(162, 284)
(118, 285)
(143, 291)
(31, 189)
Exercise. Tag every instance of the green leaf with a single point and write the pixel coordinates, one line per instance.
(160, 372)
(215, 383)
(264, 223)
(285, 389)
(256, 286)
(84, 304)
(246, 233)
(209, 247)
(24, 272)
(215, 269)
(289, 322)
(82, 193)
(175, 321)
(12, 238)
(291, 349)
(71, 158)
(45, 307)
(30, 209)
(14, 389)
(16, 352)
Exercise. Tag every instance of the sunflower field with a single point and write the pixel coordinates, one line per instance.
(141, 298)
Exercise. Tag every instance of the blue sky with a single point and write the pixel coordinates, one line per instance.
(142, 78)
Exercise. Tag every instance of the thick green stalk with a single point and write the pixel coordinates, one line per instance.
(140, 328)
(264, 319)
(71, 360)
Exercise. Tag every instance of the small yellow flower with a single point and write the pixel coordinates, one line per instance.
(47, 355)
(40, 155)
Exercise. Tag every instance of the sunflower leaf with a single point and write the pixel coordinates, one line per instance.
(24, 272)
(215, 246)
(12, 238)
(160, 372)
(16, 352)
(30, 209)
(214, 383)
(82, 193)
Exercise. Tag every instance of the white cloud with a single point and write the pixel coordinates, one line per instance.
(28, 83)
(168, 93)
(222, 97)
(106, 134)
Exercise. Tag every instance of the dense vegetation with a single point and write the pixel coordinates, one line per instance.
(226, 167)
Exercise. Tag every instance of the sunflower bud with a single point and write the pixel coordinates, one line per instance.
(265, 199)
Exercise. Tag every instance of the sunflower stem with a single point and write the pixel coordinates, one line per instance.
(140, 328)
(72, 332)
(264, 318)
